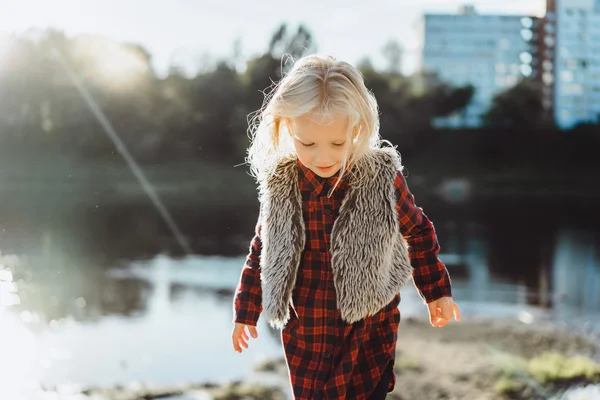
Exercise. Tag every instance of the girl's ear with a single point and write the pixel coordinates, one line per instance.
(354, 133)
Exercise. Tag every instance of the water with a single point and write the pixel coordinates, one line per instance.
(588, 392)
(182, 335)
(167, 321)
(77, 312)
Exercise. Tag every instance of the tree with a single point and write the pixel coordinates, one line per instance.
(296, 45)
(443, 98)
(518, 107)
(392, 51)
(365, 64)
(259, 77)
(408, 104)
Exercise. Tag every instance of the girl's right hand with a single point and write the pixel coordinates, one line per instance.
(239, 335)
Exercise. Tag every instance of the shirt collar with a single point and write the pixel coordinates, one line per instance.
(314, 183)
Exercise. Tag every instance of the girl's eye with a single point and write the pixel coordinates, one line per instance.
(335, 144)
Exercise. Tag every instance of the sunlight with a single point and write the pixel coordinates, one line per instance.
(110, 60)
(17, 344)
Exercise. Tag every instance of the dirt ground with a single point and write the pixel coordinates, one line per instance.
(466, 360)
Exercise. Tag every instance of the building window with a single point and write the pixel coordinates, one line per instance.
(572, 64)
(511, 80)
(566, 76)
(504, 44)
(526, 58)
(526, 70)
(526, 34)
(573, 88)
(526, 22)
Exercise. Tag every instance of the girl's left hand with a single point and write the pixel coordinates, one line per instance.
(442, 310)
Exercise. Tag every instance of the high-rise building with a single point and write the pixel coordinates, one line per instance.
(572, 79)
(490, 52)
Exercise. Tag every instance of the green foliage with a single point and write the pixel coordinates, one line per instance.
(555, 367)
(507, 385)
(518, 107)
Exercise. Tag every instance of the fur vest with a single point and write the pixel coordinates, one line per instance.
(369, 255)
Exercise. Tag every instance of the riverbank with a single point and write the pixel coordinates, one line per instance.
(474, 359)
(484, 360)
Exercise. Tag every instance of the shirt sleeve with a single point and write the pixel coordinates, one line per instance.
(430, 275)
(247, 304)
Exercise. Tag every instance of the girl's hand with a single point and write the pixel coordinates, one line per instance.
(442, 310)
(239, 335)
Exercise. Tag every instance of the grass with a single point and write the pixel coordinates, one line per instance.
(407, 363)
(552, 367)
(549, 369)
(507, 385)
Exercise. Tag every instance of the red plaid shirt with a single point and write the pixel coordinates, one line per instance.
(328, 358)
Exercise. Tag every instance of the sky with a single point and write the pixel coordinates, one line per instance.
(184, 32)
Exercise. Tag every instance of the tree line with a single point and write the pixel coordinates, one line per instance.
(204, 116)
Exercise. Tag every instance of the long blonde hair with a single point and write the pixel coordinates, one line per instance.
(323, 86)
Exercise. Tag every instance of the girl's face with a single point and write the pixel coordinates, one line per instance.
(320, 146)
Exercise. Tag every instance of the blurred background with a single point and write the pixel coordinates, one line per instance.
(127, 210)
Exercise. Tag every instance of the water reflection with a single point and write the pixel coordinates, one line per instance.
(75, 290)
(576, 275)
(167, 321)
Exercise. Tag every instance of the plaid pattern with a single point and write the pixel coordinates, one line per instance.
(328, 358)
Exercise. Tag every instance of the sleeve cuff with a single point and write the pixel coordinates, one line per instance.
(246, 317)
(435, 294)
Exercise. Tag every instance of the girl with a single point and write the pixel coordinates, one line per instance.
(338, 235)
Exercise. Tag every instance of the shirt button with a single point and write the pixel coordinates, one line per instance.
(331, 285)
(327, 211)
(327, 355)
(330, 320)
(317, 392)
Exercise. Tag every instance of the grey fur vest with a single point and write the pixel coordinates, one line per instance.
(369, 255)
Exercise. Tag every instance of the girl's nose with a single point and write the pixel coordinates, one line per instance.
(322, 160)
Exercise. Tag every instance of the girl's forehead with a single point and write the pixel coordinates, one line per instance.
(320, 119)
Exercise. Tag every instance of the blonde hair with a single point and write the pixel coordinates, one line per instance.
(327, 88)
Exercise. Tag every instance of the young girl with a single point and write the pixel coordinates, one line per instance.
(338, 235)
